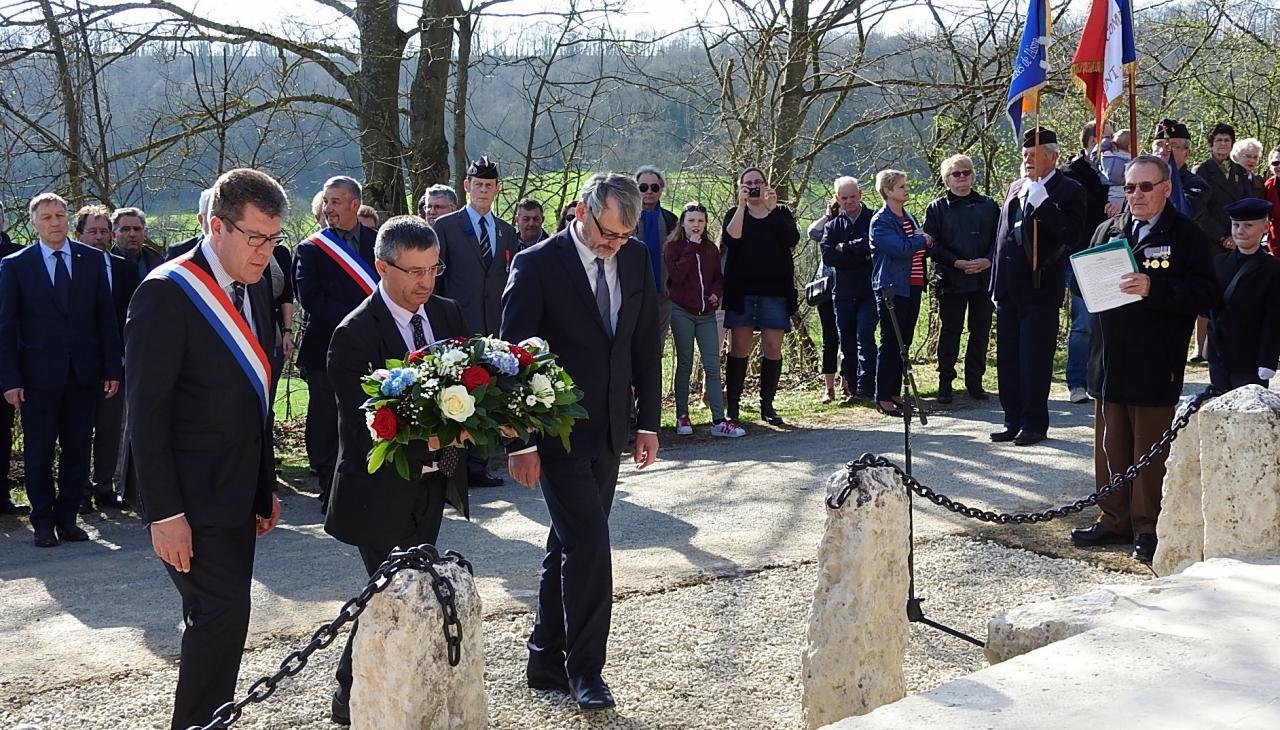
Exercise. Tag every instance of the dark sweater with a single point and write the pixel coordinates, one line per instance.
(760, 263)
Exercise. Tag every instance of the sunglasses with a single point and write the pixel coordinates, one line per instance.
(647, 187)
(961, 173)
(1275, 163)
(1144, 186)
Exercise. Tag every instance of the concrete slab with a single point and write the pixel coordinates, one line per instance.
(1197, 650)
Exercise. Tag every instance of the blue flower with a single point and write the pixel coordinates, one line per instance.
(397, 380)
(504, 362)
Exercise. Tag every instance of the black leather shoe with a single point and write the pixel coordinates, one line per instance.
(481, 479)
(770, 417)
(591, 693)
(944, 393)
(71, 533)
(1096, 534)
(110, 500)
(1144, 547)
(547, 679)
(1006, 435)
(1026, 438)
(339, 710)
(45, 537)
(9, 508)
(979, 393)
(86, 505)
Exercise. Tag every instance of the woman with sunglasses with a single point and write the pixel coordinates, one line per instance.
(759, 287)
(696, 285)
(963, 225)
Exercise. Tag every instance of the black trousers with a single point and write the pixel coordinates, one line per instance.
(889, 364)
(830, 337)
(1221, 377)
(61, 418)
(108, 433)
(425, 519)
(952, 308)
(215, 609)
(6, 446)
(575, 589)
(322, 427)
(1026, 338)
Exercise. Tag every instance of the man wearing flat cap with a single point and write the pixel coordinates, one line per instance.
(1138, 352)
(1040, 226)
(476, 248)
(1244, 327)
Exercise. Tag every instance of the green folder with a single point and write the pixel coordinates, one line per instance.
(1112, 245)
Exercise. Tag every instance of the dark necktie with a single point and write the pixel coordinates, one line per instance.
(1137, 230)
(237, 296)
(602, 297)
(486, 252)
(61, 280)
(419, 336)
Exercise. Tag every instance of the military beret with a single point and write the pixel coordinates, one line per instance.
(1046, 136)
(483, 168)
(1248, 209)
(1172, 129)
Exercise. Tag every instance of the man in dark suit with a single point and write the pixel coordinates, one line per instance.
(589, 292)
(7, 507)
(59, 347)
(202, 217)
(1039, 228)
(333, 273)
(381, 511)
(93, 228)
(200, 424)
(477, 248)
(129, 230)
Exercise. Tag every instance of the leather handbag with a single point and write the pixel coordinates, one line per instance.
(819, 290)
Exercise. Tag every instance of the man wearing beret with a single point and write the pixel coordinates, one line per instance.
(1040, 226)
(1244, 328)
(1138, 352)
(476, 248)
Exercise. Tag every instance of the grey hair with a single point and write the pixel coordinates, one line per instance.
(1156, 161)
(206, 200)
(441, 191)
(403, 233)
(43, 198)
(1051, 147)
(604, 185)
(342, 181)
(845, 180)
(651, 170)
(1244, 145)
(119, 213)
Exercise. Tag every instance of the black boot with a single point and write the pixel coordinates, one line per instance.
(944, 391)
(735, 372)
(770, 371)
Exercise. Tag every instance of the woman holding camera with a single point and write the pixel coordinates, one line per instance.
(897, 276)
(759, 287)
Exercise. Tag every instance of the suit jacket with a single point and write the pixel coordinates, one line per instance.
(199, 442)
(1222, 191)
(1244, 328)
(466, 280)
(124, 282)
(364, 508)
(327, 293)
(549, 296)
(41, 344)
(1061, 218)
(179, 249)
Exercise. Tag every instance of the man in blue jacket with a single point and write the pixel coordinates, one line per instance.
(846, 248)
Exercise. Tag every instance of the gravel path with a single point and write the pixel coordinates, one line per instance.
(724, 653)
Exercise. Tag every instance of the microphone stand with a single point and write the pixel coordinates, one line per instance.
(911, 394)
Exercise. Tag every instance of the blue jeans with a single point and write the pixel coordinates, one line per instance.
(1078, 341)
(685, 328)
(856, 319)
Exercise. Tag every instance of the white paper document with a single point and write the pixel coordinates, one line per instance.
(1098, 271)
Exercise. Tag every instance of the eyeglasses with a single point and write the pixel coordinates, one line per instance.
(607, 234)
(1145, 186)
(1275, 163)
(754, 183)
(961, 173)
(256, 240)
(420, 272)
(650, 187)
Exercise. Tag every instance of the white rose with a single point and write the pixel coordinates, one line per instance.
(381, 374)
(368, 422)
(542, 389)
(456, 403)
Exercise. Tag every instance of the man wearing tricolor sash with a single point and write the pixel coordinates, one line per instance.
(197, 379)
(333, 273)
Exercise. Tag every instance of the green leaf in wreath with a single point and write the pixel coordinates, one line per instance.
(378, 455)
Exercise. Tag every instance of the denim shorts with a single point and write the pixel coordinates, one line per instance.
(760, 313)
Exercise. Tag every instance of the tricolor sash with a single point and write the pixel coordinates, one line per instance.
(357, 268)
(230, 326)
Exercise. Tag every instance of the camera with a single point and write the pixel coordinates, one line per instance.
(753, 192)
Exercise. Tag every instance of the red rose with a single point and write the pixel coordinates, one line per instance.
(416, 356)
(459, 340)
(474, 377)
(523, 355)
(385, 423)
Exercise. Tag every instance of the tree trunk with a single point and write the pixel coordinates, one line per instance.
(376, 93)
(70, 105)
(790, 118)
(460, 91)
(428, 149)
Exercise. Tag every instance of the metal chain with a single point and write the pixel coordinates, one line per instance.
(1118, 481)
(422, 558)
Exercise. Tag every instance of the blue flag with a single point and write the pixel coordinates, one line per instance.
(1030, 66)
(1178, 196)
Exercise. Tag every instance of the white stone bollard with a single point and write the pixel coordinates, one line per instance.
(401, 674)
(857, 637)
(1226, 503)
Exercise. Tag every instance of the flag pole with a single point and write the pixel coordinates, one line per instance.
(1135, 141)
(1035, 222)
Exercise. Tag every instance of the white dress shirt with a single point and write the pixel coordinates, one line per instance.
(51, 261)
(402, 317)
(225, 281)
